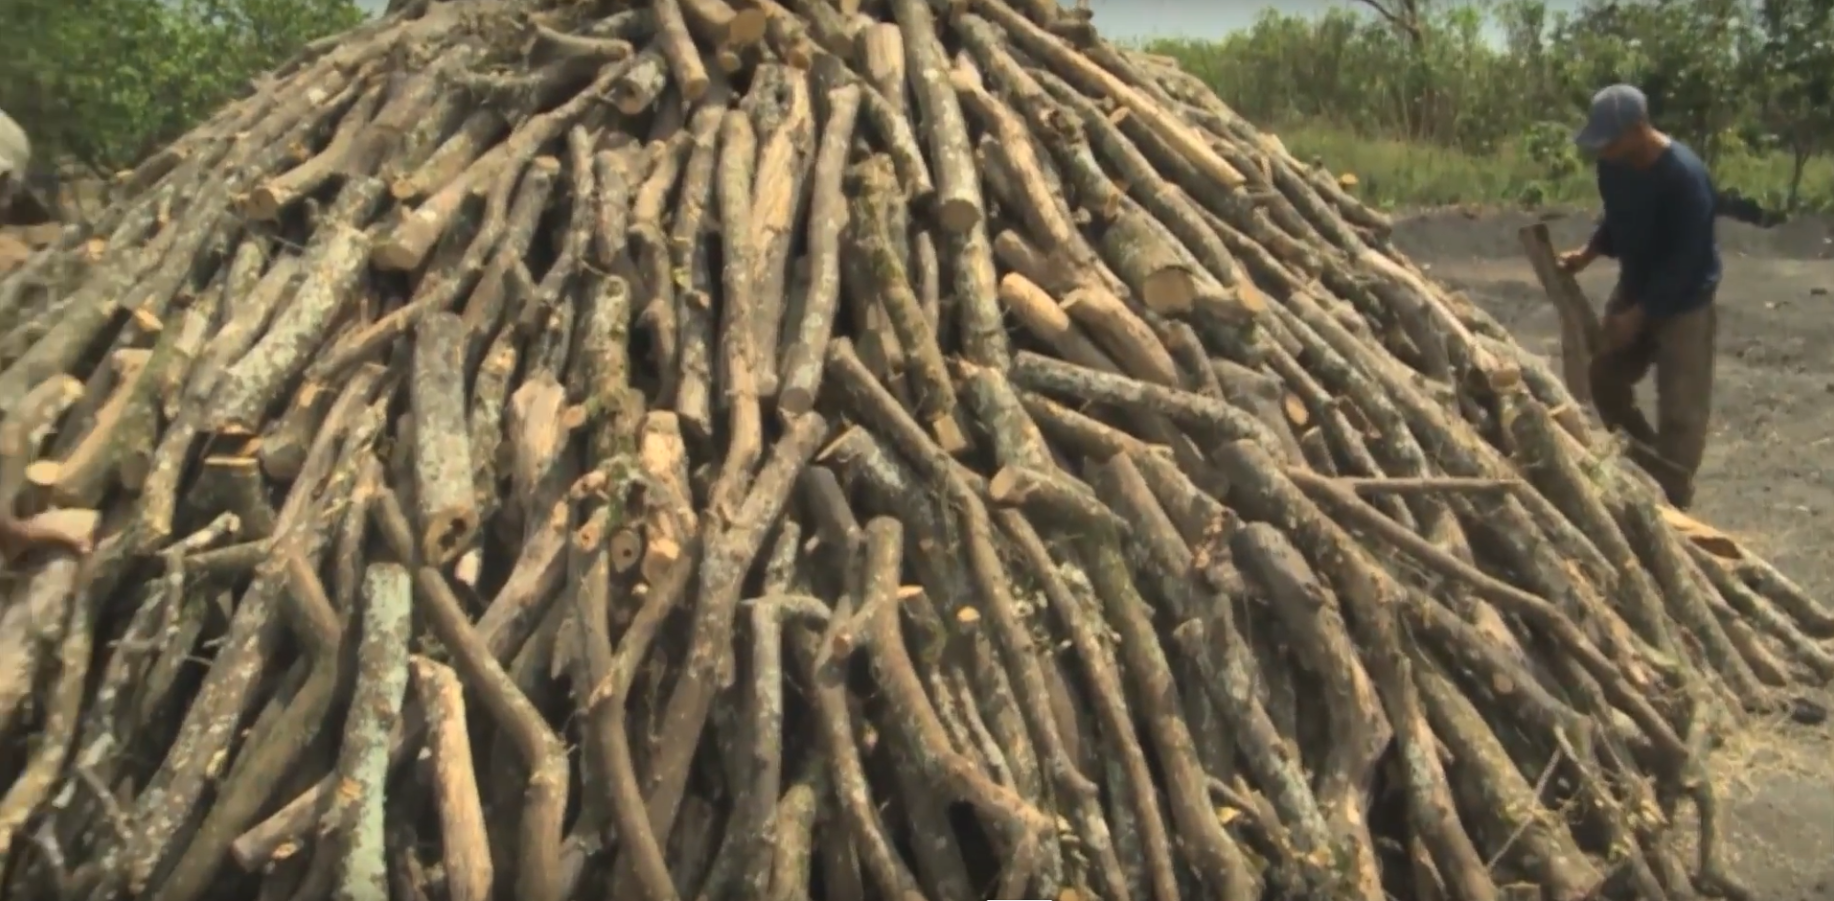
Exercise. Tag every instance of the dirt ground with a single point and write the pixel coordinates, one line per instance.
(1768, 476)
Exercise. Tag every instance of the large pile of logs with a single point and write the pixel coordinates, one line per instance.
(793, 449)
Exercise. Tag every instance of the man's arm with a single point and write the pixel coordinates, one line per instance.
(1687, 226)
(1600, 244)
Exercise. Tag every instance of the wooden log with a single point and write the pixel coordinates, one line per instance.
(800, 377)
(446, 505)
(1580, 333)
(784, 163)
(20, 435)
(537, 871)
(664, 458)
(934, 393)
(958, 192)
(331, 275)
(267, 200)
(677, 45)
(382, 678)
(1158, 276)
(469, 872)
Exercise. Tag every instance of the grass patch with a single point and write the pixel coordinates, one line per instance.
(1395, 174)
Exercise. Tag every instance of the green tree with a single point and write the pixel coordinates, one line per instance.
(1686, 55)
(1793, 66)
(1426, 104)
(106, 82)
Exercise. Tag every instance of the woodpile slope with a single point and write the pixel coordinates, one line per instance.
(792, 449)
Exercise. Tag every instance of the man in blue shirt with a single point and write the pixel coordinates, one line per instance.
(1658, 225)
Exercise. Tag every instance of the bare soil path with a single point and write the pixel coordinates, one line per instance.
(1768, 477)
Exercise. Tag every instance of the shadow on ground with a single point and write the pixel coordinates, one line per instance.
(1768, 477)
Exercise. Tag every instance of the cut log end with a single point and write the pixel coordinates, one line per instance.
(794, 401)
(43, 473)
(1297, 415)
(1504, 377)
(949, 435)
(402, 252)
(264, 203)
(1170, 292)
(694, 88)
(659, 558)
(958, 215)
(1009, 486)
(627, 102)
(1250, 298)
(747, 27)
(626, 548)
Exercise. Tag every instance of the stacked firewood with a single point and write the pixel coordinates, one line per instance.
(832, 449)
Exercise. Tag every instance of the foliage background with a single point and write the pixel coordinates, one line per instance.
(1424, 103)
(103, 83)
(1418, 98)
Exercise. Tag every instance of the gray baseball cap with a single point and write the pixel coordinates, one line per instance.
(1615, 110)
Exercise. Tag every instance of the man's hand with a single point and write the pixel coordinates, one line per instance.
(1622, 327)
(1574, 262)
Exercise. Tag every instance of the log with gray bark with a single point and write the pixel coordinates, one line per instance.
(721, 449)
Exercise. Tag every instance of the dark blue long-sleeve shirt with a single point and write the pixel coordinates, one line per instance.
(1659, 226)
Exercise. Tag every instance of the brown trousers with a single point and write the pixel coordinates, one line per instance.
(1680, 348)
